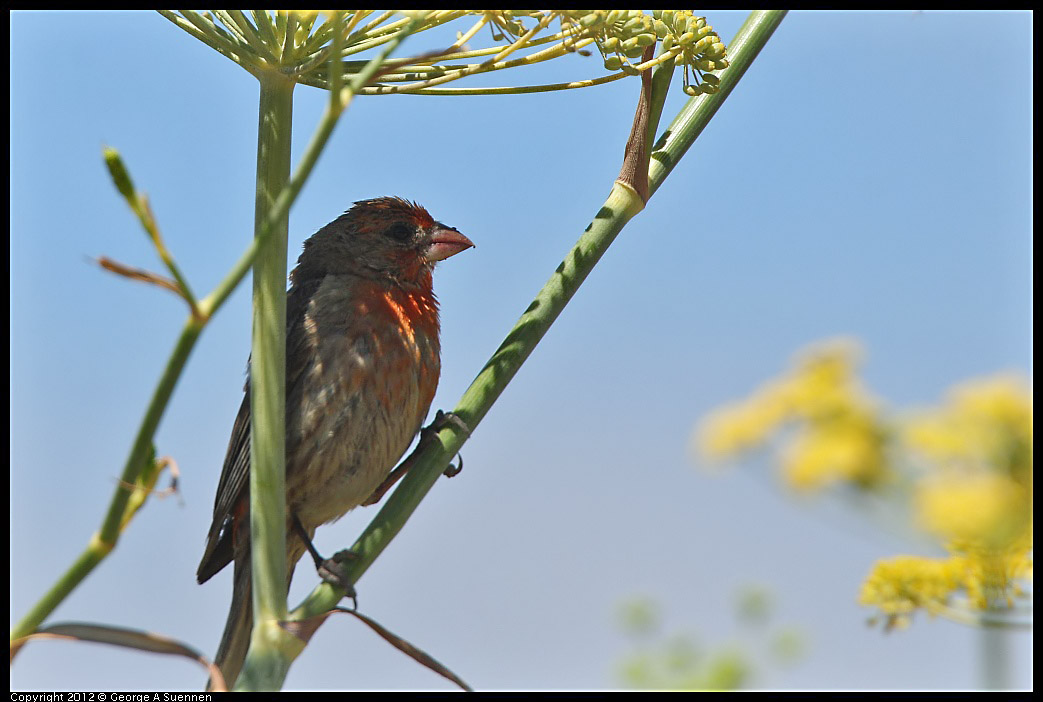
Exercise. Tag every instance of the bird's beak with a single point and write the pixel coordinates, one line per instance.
(446, 242)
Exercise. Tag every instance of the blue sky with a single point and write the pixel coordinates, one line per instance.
(869, 177)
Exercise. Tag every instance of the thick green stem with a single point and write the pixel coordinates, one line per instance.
(272, 648)
(268, 388)
(995, 661)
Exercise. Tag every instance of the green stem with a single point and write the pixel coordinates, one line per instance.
(320, 82)
(272, 648)
(268, 384)
(80, 569)
(263, 22)
(995, 659)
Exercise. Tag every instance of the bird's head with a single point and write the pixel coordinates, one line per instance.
(387, 237)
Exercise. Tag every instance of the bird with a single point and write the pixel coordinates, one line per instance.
(362, 367)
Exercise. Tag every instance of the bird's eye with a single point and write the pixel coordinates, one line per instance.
(400, 231)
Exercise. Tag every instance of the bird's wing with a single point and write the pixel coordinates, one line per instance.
(234, 483)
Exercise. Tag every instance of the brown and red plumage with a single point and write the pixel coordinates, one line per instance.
(362, 367)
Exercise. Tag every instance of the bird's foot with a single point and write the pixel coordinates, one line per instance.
(428, 433)
(332, 571)
(444, 419)
(440, 422)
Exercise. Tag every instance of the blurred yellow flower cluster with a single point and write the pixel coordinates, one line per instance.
(987, 510)
(983, 423)
(899, 586)
(989, 578)
(975, 494)
(968, 465)
(838, 434)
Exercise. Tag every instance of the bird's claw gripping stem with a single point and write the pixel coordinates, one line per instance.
(444, 419)
(331, 570)
(440, 422)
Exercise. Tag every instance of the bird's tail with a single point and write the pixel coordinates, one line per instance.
(238, 628)
(236, 638)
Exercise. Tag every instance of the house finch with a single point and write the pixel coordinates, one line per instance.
(362, 366)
